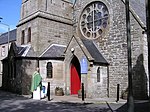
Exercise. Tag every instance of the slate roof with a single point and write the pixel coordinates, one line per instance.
(54, 51)
(20, 50)
(4, 37)
(139, 7)
(94, 52)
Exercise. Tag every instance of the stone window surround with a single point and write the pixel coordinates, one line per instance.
(22, 37)
(100, 29)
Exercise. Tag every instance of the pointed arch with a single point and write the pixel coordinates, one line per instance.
(98, 74)
(75, 78)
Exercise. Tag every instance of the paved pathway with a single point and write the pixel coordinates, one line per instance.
(15, 103)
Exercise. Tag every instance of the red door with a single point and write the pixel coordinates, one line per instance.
(75, 80)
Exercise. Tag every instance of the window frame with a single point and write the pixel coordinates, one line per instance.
(49, 69)
(98, 23)
(29, 35)
(3, 51)
(98, 74)
(22, 37)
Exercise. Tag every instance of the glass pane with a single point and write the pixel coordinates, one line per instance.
(98, 23)
(100, 31)
(88, 34)
(88, 10)
(84, 16)
(90, 18)
(89, 25)
(82, 23)
(98, 74)
(99, 5)
(84, 30)
(94, 35)
(104, 9)
(105, 24)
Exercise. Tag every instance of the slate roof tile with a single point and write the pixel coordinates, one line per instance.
(4, 37)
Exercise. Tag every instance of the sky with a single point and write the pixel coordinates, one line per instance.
(10, 12)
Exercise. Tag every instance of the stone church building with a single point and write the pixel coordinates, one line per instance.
(74, 42)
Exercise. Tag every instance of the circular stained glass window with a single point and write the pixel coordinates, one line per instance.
(94, 20)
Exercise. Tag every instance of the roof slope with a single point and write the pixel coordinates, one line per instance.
(94, 52)
(54, 51)
(139, 7)
(20, 51)
(4, 37)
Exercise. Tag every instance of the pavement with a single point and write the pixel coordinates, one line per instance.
(10, 102)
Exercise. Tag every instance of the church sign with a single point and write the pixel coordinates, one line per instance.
(84, 65)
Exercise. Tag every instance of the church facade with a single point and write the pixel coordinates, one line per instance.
(78, 42)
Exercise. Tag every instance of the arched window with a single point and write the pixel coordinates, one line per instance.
(22, 37)
(49, 70)
(29, 35)
(98, 74)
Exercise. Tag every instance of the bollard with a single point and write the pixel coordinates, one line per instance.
(82, 91)
(117, 92)
(48, 91)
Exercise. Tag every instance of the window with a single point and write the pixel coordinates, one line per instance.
(3, 52)
(23, 10)
(22, 37)
(94, 20)
(98, 74)
(49, 70)
(29, 35)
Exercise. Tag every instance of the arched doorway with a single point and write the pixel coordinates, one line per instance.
(75, 78)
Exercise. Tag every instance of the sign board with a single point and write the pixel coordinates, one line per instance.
(84, 65)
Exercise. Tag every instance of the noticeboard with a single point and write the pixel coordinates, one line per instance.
(84, 65)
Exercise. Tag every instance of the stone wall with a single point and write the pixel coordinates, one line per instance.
(58, 78)
(33, 24)
(53, 32)
(93, 88)
(28, 67)
(113, 45)
(49, 22)
(54, 24)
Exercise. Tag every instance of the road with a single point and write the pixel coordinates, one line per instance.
(16, 103)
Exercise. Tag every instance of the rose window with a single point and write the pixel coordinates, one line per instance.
(94, 20)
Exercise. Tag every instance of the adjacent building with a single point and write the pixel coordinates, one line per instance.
(5, 41)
